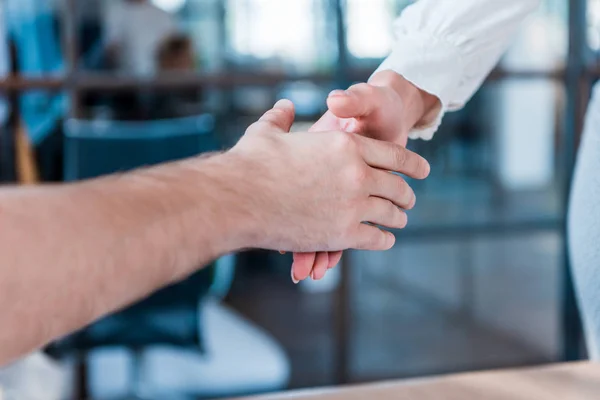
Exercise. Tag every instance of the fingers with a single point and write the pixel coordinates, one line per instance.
(393, 188)
(372, 238)
(358, 101)
(321, 265)
(279, 119)
(385, 213)
(392, 157)
(302, 266)
(321, 262)
(335, 258)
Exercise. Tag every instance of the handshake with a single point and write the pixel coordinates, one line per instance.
(330, 189)
(314, 193)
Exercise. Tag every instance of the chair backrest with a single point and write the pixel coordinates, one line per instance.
(94, 148)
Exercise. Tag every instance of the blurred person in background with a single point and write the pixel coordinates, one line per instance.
(33, 31)
(89, 14)
(176, 56)
(134, 32)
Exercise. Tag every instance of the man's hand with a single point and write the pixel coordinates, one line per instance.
(132, 233)
(386, 108)
(315, 191)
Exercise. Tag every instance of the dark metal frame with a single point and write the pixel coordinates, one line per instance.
(577, 77)
(579, 80)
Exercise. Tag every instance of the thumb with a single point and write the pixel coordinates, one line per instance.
(358, 101)
(279, 119)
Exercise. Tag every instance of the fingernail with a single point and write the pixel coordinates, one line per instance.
(338, 93)
(281, 252)
(294, 278)
(283, 103)
(391, 240)
(312, 275)
(413, 202)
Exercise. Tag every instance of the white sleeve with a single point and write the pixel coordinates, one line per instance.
(448, 47)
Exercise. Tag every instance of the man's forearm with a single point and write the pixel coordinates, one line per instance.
(70, 254)
(119, 239)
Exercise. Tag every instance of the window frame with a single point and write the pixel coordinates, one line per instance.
(577, 76)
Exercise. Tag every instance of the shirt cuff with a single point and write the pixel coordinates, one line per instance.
(434, 66)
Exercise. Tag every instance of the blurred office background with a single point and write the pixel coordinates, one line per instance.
(479, 280)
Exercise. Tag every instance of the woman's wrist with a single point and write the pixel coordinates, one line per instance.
(421, 107)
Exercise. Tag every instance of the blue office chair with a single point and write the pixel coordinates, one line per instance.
(165, 328)
(95, 148)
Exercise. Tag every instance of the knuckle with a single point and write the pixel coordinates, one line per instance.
(273, 115)
(402, 189)
(400, 156)
(365, 239)
(349, 234)
(395, 216)
(256, 128)
(387, 78)
(347, 223)
(362, 88)
(363, 243)
(376, 239)
(356, 176)
(344, 237)
(277, 111)
(342, 141)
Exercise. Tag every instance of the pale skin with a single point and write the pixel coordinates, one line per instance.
(386, 108)
(69, 254)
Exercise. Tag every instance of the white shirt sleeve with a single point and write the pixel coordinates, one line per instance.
(448, 47)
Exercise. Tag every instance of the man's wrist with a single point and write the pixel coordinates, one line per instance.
(225, 184)
(421, 107)
(195, 206)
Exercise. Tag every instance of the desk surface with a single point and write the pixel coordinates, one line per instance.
(580, 381)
